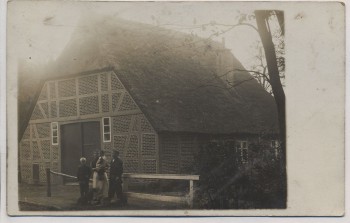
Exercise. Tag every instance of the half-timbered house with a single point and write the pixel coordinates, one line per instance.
(153, 94)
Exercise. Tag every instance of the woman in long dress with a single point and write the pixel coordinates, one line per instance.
(99, 178)
(93, 168)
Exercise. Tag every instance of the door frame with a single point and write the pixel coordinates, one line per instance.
(61, 123)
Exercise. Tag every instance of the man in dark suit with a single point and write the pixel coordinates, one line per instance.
(83, 175)
(115, 177)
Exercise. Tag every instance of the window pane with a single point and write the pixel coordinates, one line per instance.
(106, 129)
(54, 140)
(105, 121)
(276, 153)
(107, 137)
(54, 132)
(239, 151)
(244, 155)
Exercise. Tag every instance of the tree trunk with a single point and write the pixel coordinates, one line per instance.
(278, 92)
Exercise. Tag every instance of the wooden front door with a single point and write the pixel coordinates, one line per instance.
(78, 140)
(91, 139)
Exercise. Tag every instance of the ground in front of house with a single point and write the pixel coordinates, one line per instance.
(65, 197)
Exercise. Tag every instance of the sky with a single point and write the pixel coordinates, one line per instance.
(41, 30)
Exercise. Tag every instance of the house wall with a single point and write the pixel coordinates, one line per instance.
(178, 151)
(83, 98)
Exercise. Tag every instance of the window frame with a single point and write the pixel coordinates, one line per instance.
(52, 133)
(241, 149)
(275, 145)
(103, 129)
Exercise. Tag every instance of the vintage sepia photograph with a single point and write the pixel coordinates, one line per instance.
(150, 106)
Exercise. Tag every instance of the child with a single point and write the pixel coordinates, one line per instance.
(84, 173)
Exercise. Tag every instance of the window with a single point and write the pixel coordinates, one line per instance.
(275, 145)
(106, 121)
(242, 149)
(54, 133)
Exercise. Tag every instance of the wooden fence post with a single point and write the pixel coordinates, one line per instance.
(48, 181)
(125, 184)
(190, 197)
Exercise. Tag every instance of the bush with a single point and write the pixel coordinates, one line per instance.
(225, 183)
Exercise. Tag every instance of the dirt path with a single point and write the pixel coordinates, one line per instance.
(33, 198)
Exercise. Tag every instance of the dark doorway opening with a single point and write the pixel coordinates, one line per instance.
(78, 140)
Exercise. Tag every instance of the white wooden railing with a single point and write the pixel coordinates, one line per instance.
(188, 198)
(127, 176)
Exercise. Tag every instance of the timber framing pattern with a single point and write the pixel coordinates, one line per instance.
(83, 98)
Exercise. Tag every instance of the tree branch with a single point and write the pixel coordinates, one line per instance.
(256, 72)
(224, 88)
(214, 34)
(239, 24)
(212, 24)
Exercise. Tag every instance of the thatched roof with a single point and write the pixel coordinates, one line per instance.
(173, 77)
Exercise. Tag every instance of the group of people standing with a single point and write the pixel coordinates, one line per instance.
(103, 185)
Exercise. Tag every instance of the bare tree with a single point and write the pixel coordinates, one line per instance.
(262, 17)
